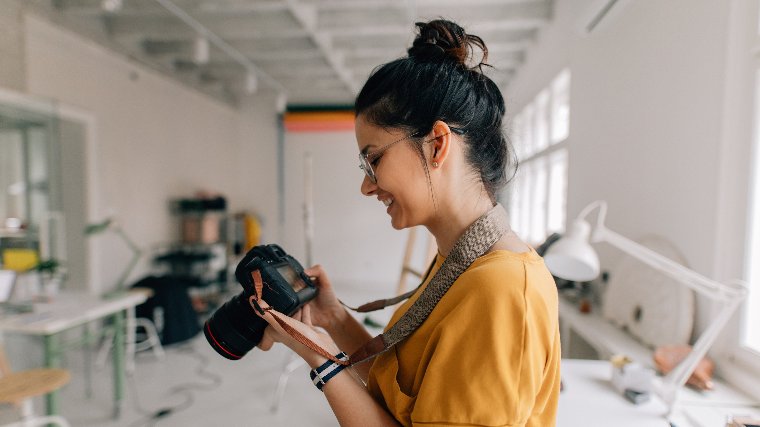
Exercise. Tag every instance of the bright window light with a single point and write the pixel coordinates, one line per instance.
(538, 197)
(528, 136)
(560, 125)
(541, 135)
(538, 210)
(752, 263)
(517, 135)
(555, 223)
(526, 186)
(514, 206)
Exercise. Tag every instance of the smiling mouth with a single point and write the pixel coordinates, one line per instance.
(387, 202)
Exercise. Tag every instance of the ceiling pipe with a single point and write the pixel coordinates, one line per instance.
(217, 41)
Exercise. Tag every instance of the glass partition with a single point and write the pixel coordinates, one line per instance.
(42, 165)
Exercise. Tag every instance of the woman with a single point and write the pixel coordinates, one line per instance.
(429, 130)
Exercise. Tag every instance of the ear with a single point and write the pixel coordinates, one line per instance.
(441, 143)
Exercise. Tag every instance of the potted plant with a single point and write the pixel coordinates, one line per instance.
(52, 273)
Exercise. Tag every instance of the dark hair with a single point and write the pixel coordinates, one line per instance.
(434, 82)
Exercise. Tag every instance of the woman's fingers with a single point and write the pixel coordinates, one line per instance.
(317, 274)
(267, 341)
(306, 315)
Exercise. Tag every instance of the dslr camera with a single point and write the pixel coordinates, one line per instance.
(234, 329)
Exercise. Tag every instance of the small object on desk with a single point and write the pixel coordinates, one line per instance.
(636, 397)
(585, 306)
(629, 375)
(741, 421)
(666, 358)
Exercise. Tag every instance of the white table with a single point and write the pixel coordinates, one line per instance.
(589, 400)
(69, 310)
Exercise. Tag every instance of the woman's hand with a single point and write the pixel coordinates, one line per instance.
(302, 322)
(326, 311)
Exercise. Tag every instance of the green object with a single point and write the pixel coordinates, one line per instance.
(113, 226)
(118, 361)
(371, 323)
(52, 360)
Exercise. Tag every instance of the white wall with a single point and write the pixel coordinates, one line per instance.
(156, 140)
(646, 111)
(645, 125)
(353, 236)
(12, 71)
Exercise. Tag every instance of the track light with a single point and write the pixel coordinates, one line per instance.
(201, 51)
(251, 82)
(281, 103)
(112, 6)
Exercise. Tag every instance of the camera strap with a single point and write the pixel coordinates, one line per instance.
(476, 240)
(258, 286)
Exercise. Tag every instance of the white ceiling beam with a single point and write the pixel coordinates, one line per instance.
(494, 49)
(285, 55)
(219, 43)
(281, 25)
(307, 16)
(201, 11)
(401, 4)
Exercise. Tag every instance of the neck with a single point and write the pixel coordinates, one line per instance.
(452, 219)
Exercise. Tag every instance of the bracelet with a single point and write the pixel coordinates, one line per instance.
(323, 373)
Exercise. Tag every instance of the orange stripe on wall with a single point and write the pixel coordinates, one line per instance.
(319, 121)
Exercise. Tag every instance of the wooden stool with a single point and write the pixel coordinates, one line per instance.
(20, 387)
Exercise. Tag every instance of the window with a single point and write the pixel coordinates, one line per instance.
(752, 265)
(537, 199)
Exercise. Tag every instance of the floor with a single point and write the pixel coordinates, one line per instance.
(200, 388)
(194, 386)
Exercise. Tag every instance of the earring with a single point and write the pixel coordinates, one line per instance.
(435, 164)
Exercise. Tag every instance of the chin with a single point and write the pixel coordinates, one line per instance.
(396, 224)
(400, 223)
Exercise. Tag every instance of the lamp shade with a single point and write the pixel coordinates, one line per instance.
(572, 257)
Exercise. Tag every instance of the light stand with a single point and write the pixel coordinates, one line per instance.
(572, 258)
(110, 225)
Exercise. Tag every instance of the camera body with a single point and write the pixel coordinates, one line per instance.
(235, 328)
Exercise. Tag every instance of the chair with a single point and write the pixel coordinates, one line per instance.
(18, 388)
(133, 345)
(407, 267)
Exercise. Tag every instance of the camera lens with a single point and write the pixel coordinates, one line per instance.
(234, 329)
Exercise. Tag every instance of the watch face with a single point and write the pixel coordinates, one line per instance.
(291, 276)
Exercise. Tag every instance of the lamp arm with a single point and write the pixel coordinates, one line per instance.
(711, 288)
(132, 245)
(729, 295)
(602, 205)
(136, 253)
(674, 380)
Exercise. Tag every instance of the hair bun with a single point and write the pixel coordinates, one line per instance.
(441, 40)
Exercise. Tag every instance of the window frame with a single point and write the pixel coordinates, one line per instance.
(739, 364)
(538, 120)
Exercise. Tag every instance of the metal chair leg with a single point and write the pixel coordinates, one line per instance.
(291, 366)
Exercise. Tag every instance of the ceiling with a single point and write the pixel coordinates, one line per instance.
(317, 52)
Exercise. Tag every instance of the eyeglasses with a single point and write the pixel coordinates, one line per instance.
(366, 159)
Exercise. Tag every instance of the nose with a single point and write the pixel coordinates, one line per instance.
(368, 187)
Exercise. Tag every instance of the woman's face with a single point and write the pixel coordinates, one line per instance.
(402, 185)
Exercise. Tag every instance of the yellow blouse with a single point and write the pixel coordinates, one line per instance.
(488, 354)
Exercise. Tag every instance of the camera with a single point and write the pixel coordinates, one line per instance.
(234, 329)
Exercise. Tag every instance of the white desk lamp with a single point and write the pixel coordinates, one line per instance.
(573, 258)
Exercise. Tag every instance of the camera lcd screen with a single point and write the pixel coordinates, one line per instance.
(287, 273)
